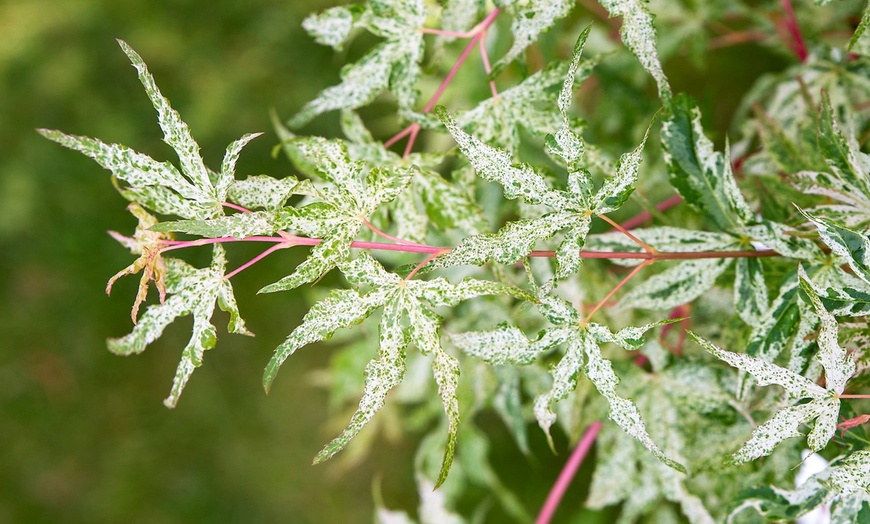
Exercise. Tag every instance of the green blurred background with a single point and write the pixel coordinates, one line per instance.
(84, 436)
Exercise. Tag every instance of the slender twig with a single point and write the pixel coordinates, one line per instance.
(854, 396)
(568, 473)
(794, 29)
(398, 136)
(642, 217)
(256, 259)
(613, 291)
(486, 65)
(378, 232)
(646, 247)
(735, 38)
(424, 262)
(236, 207)
(476, 34)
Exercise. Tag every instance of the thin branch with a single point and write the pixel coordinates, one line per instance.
(854, 396)
(256, 259)
(386, 235)
(486, 65)
(642, 217)
(794, 29)
(236, 207)
(613, 291)
(568, 473)
(424, 262)
(646, 247)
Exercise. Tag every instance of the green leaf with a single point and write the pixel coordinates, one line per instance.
(847, 243)
(677, 285)
(750, 291)
(859, 31)
(530, 19)
(701, 175)
(639, 34)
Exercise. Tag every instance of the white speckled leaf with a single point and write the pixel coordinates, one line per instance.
(330, 27)
(677, 285)
(618, 188)
(191, 292)
(564, 381)
(497, 166)
(508, 344)
(341, 308)
(136, 169)
(391, 65)
(568, 253)
(424, 334)
(530, 19)
(664, 238)
(852, 474)
(839, 366)
(239, 225)
(175, 132)
(531, 104)
(784, 424)
(622, 411)
(439, 292)
(511, 243)
(639, 34)
(381, 376)
(750, 291)
(765, 372)
(228, 167)
(324, 256)
(262, 192)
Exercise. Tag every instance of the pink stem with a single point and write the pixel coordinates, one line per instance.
(237, 207)
(568, 473)
(415, 130)
(486, 66)
(613, 291)
(423, 248)
(388, 236)
(256, 259)
(640, 218)
(854, 396)
(490, 18)
(792, 26)
(398, 136)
